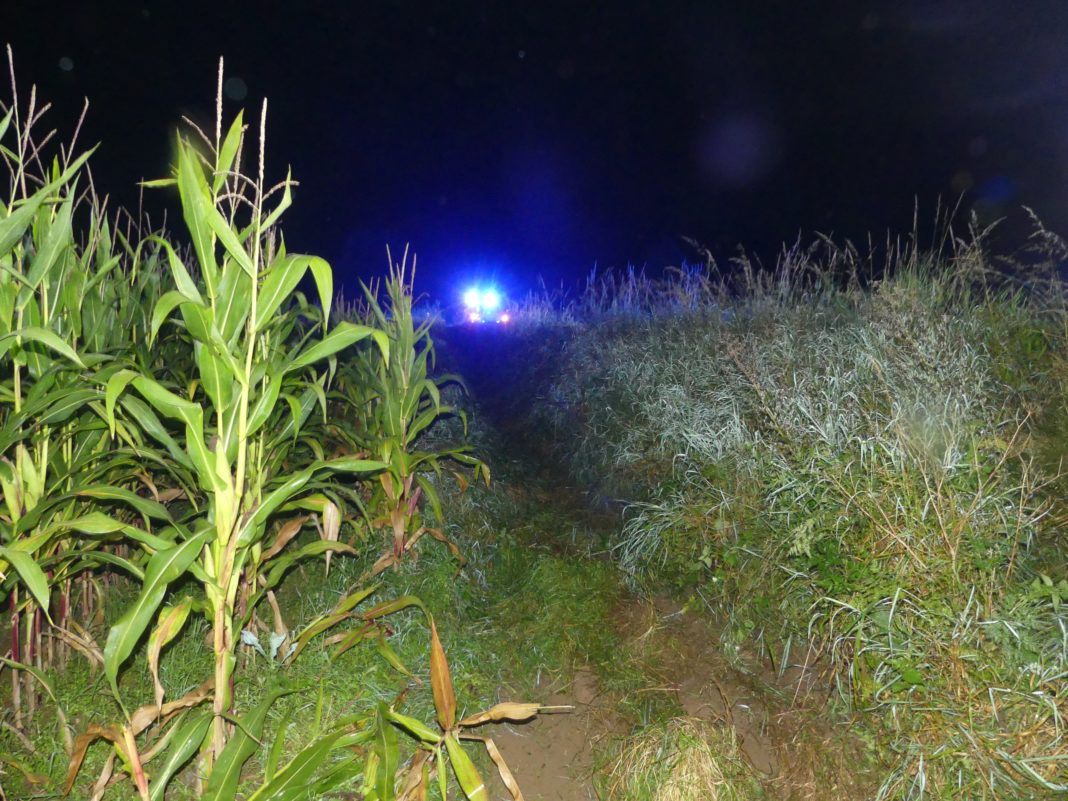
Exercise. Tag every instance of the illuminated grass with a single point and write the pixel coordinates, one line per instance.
(847, 469)
(680, 760)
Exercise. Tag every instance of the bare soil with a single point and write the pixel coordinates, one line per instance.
(781, 723)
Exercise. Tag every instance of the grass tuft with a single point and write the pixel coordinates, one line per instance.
(683, 759)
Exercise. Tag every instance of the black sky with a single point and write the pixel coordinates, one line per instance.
(542, 138)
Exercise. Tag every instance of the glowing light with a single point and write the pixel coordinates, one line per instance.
(482, 303)
(505, 318)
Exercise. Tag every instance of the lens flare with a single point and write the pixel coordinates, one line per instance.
(482, 303)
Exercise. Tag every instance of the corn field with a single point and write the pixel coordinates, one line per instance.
(185, 417)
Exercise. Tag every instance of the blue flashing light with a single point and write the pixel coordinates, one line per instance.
(482, 303)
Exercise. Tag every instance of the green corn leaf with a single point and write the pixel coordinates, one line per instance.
(45, 337)
(354, 464)
(13, 227)
(193, 416)
(466, 772)
(199, 321)
(226, 773)
(114, 388)
(272, 500)
(63, 404)
(31, 574)
(294, 781)
(153, 426)
(386, 748)
(185, 742)
(101, 557)
(164, 567)
(274, 756)
(282, 278)
(182, 279)
(264, 405)
(166, 304)
(280, 564)
(148, 508)
(193, 191)
(228, 152)
(230, 240)
(443, 775)
(415, 726)
(324, 283)
(299, 410)
(395, 605)
(216, 379)
(8, 292)
(281, 493)
(352, 638)
(386, 652)
(167, 402)
(343, 335)
(235, 300)
(341, 611)
(36, 672)
(57, 238)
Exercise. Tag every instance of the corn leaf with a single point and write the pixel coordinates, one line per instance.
(386, 748)
(282, 278)
(466, 772)
(45, 337)
(31, 574)
(343, 335)
(226, 773)
(441, 683)
(228, 152)
(184, 743)
(164, 567)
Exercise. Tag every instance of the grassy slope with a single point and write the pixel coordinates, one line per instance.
(860, 480)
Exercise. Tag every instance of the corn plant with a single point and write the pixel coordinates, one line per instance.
(163, 419)
(55, 460)
(251, 350)
(397, 399)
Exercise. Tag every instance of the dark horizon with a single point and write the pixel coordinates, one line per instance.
(542, 141)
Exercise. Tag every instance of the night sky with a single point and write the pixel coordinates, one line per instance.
(541, 139)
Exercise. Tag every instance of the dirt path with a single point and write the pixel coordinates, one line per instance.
(552, 757)
(779, 723)
(778, 720)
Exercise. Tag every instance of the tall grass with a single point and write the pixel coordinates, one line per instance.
(842, 451)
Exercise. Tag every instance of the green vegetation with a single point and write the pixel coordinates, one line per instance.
(857, 474)
(177, 439)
